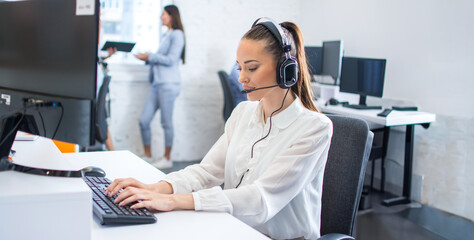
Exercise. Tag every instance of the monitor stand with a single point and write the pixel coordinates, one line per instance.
(362, 104)
(8, 130)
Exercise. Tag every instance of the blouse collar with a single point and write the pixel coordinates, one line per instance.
(282, 119)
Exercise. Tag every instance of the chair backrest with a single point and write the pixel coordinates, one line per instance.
(344, 174)
(229, 100)
(100, 116)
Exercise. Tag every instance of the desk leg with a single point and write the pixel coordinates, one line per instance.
(408, 170)
(386, 132)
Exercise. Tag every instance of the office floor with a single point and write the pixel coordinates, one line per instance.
(178, 166)
(389, 223)
(407, 221)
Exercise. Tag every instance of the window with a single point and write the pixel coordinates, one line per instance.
(126, 20)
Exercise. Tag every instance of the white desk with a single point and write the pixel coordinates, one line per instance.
(170, 225)
(395, 118)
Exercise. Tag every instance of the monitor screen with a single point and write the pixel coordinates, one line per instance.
(48, 70)
(42, 46)
(314, 56)
(363, 76)
(332, 56)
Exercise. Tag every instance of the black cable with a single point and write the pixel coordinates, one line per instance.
(270, 128)
(5, 115)
(23, 116)
(42, 121)
(60, 119)
(242, 178)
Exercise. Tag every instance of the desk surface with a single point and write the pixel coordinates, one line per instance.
(170, 225)
(395, 118)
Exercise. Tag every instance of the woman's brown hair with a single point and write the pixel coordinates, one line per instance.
(302, 88)
(176, 23)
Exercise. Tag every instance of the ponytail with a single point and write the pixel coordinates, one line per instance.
(302, 88)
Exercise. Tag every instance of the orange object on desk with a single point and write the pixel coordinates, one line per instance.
(65, 147)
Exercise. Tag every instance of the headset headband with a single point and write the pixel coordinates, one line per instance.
(277, 32)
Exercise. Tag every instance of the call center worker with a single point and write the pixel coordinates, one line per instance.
(166, 84)
(273, 152)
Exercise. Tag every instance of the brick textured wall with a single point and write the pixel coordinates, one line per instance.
(213, 30)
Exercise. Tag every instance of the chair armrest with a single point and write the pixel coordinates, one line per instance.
(336, 236)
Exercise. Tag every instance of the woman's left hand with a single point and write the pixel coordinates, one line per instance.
(142, 56)
(111, 51)
(145, 198)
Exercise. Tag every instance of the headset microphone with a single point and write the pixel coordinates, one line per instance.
(255, 89)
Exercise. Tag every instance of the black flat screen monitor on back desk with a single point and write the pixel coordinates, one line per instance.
(331, 62)
(48, 70)
(314, 57)
(363, 76)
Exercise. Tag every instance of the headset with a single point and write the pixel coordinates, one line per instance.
(287, 67)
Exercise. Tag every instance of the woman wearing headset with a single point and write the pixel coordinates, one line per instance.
(166, 84)
(272, 155)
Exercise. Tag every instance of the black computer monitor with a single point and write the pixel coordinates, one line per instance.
(332, 57)
(314, 58)
(48, 69)
(363, 76)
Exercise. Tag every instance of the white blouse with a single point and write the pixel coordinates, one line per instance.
(281, 186)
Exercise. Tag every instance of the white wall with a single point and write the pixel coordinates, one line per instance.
(430, 53)
(428, 49)
(428, 45)
(213, 29)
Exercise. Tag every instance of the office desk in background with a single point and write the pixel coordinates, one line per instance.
(122, 164)
(395, 118)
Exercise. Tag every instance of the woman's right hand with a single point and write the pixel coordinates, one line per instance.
(142, 56)
(122, 183)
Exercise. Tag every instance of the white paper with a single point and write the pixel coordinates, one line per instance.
(85, 7)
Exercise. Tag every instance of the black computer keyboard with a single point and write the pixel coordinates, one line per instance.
(110, 213)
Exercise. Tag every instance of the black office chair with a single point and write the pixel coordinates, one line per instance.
(344, 176)
(100, 117)
(229, 99)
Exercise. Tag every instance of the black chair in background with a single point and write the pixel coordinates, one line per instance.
(343, 182)
(101, 117)
(229, 100)
(101, 114)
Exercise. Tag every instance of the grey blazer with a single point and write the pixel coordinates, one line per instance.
(164, 64)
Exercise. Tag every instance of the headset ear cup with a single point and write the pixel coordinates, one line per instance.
(287, 74)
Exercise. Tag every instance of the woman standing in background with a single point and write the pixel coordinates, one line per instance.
(166, 84)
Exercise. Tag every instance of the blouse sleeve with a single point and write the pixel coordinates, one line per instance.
(174, 54)
(288, 174)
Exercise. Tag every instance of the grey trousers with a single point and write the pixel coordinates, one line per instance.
(161, 96)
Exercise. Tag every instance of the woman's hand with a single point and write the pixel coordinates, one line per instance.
(145, 198)
(122, 183)
(156, 196)
(111, 51)
(142, 56)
